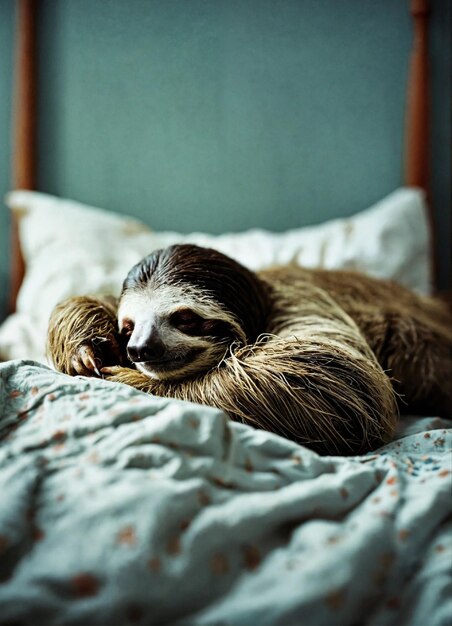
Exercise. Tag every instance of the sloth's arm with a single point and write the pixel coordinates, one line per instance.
(83, 335)
(317, 383)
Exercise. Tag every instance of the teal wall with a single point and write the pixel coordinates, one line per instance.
(221, 115)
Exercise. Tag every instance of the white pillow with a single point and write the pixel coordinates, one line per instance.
(72, 249)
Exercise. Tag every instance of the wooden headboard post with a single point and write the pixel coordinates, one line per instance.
(417, 135)
(24, 126)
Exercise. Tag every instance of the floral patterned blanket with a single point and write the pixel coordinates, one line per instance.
(122, 508)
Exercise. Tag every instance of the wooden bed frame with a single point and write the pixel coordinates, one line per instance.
(417, 151)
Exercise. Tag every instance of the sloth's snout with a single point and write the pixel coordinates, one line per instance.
(146, 348)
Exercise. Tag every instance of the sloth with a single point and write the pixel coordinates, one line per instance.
(327, 358)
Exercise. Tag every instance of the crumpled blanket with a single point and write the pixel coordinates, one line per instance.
(122, 508)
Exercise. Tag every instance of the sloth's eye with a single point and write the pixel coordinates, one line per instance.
(186, 320)
(127, 328)
(190, 323)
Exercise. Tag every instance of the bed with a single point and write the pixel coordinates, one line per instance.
(123, 508)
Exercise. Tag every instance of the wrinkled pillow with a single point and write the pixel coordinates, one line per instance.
(72, 249)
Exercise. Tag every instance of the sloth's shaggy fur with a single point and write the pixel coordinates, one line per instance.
(335, 355)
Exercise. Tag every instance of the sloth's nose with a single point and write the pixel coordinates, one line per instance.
(146, 348)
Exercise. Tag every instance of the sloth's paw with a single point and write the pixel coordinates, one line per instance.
(127, 376)
(91, 357)
(115, 373)
(85, 363)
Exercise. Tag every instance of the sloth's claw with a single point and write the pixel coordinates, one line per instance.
(92, 356)
(94, 366)
(89, 359)
(84, 362)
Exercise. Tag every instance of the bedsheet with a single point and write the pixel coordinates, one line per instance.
(122, 508)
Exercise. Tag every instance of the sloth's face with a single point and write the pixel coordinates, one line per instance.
(173, 334)
(182, 307)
